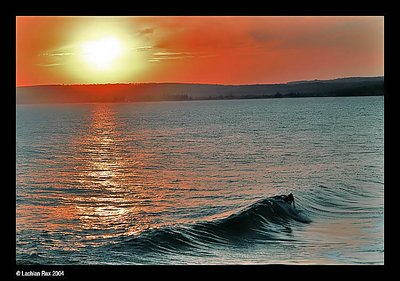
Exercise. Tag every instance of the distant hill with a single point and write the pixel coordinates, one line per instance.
(356, 86)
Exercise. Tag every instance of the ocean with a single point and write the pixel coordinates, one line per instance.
(193, 182)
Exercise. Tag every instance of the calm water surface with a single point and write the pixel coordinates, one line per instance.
(191, 182)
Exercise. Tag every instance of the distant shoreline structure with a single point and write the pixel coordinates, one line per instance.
(138, 92)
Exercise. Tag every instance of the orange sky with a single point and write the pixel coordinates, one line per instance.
(217, 50)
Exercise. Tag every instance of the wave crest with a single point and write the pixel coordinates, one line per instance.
(267, 220)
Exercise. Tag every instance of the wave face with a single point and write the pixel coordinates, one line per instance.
(262, 221)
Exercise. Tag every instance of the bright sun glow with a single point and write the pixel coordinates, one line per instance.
(102, 53)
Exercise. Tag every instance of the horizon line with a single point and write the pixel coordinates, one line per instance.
(196, 83)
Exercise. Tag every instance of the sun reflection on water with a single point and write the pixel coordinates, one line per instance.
(102, 189)
(110, 203)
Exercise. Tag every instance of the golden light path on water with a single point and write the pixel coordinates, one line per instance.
(103, 187)
(104, 170)
(117, 197)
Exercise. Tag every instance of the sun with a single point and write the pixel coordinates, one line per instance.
(102, 53)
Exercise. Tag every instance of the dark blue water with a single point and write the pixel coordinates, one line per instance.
(191, 182)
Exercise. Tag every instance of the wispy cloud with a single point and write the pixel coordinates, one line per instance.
(67, 50)
(56, 54)
(146, 31)
(171, 54)
(57, 57)
(142, 48)
(49, 64)
(164, 55)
